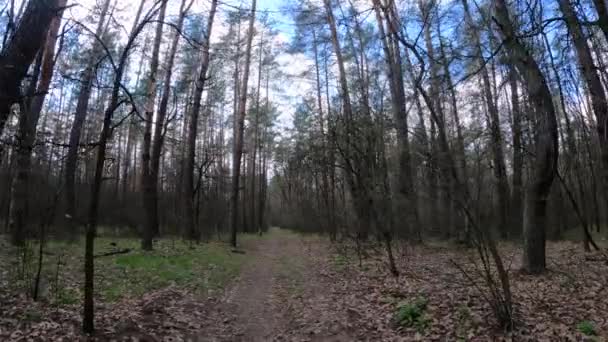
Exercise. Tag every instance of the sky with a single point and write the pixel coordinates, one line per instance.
(286, 91)
(283, 94)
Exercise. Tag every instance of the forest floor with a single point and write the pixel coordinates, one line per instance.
(285, 286)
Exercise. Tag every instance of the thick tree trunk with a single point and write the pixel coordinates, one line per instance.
(150, 228)
(26, 135)
(239, 122)
(188, 191)
(546, 143)
(21, 49)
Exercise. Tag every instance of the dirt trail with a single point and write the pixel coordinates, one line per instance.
(253, 294)
(259, 307)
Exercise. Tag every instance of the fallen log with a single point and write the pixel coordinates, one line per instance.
(120, 251)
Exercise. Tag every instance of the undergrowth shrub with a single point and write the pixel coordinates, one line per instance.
(586, 328)
(412, 314)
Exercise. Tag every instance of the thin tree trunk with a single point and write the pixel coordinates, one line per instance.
(518, 157)
(595, 87)
(82, 106)
(150, 228)
(188, 194)
(499, 167)
(88, 319)
(159, 129)
(443, 158)
(325, 160)
(252, 199)
(239, 123)
(409, 201)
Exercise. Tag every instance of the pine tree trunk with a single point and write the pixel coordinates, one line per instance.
(21, 50)
(408, 203)
(159, 129)
(188, 185)
(82, 106)
(150, 228)
(256, 143)
(239, 123)
(26, 135)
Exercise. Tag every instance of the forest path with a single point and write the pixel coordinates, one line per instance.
(279, 272)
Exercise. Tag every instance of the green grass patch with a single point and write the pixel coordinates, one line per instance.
(340, 261)
(586, 328)
(412, 314)
(201, 268)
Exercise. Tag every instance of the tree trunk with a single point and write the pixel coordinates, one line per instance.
(499, 167)
(82, 106)
(256, 138)
(159, 128)
(546, 143)
(518, 157)
(443, 157)
(593, 81)
(324, 167)
(408, 203)
(20, 51)
(602, 13)
(133, 122)
(26, 135)
(150, 228)
(361, 209)
(188, 191)
(239, 123)
(88, 318)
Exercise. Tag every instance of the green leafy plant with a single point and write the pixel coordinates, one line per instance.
(412, 314)
(67, 296)
(464, 314)
(340, 260)
(586, 328)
